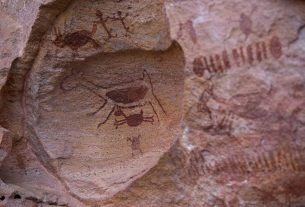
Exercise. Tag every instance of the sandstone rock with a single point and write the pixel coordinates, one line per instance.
(5, 192)
(5, 144)
(153, 103)
(5, 148)
(103, 77)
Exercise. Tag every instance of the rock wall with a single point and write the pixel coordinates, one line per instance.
(152, 103)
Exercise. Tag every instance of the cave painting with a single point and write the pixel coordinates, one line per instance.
(245, 24)
(284, 158)
(80, 38)
(127, 95)
(240, 56)
(221, 119)
(119, 16)
(103, 19)
(132, 120)
(187, 27)
(76, 40)
(135, 144)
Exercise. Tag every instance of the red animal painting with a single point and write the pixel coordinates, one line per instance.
(129, 95)
(76, 40)
(132, 120)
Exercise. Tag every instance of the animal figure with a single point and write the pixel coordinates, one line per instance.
(76, 40)
(128, 95)
(133, 120)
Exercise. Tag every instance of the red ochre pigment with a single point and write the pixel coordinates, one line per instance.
(251, 54)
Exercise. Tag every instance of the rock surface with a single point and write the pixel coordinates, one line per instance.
(152, 103)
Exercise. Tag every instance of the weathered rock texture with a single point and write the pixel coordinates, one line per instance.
(152, 103)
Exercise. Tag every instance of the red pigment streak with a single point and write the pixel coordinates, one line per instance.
(236, 57)
(250, 55)
(198, 67)
(258, 51)
(265, 53)
(213, 64)
(218, 62)
(226, 60)
(276, 47)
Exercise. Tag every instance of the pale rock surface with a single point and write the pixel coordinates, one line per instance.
(5, 148)
(152, 103)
